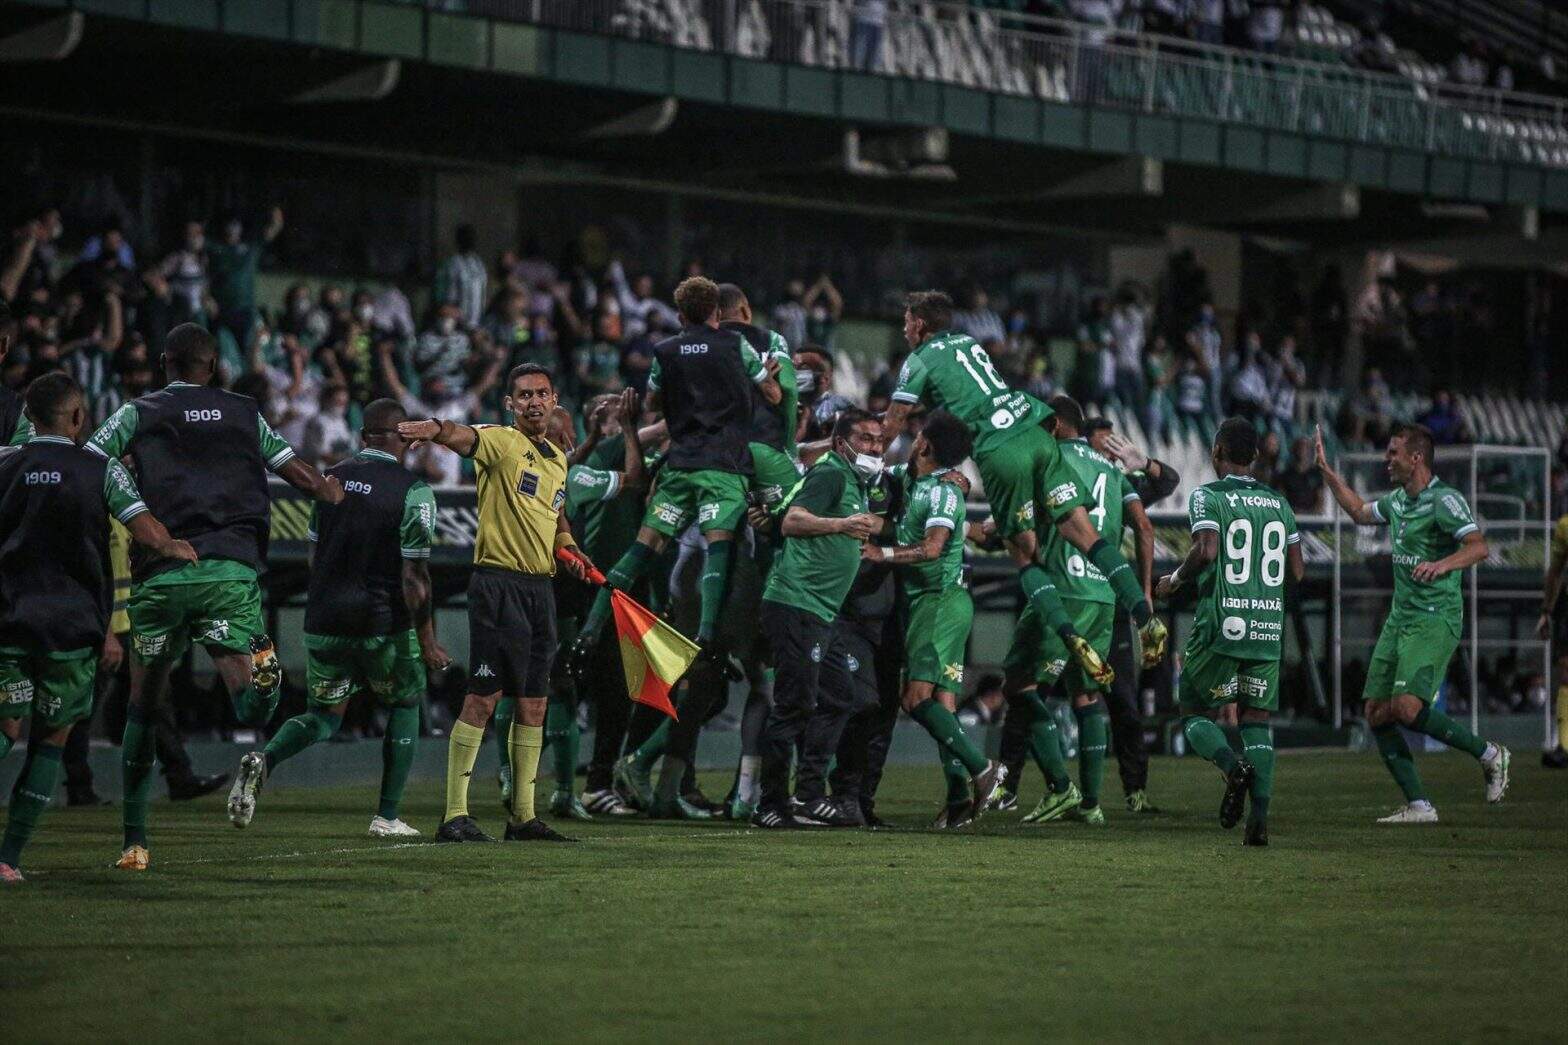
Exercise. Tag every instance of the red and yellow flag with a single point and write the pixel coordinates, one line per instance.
(653, 654)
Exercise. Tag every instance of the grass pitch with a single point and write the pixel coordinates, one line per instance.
(303, 928)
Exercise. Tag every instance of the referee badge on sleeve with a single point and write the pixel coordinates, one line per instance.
(560, 499)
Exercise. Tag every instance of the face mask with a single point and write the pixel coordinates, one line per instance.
(805, 380)
(867, 467)
(447, 325)
(364, 313)
(299, 308)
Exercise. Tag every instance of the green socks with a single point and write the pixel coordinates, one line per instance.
(649, 750)
(254, 708)
(1208, 742)
(957, 779)
(1123, 581)
(623, 575)
(297, 734)
(136, 762)
(943, 726)
(29, 798)
(505, 711)
(397, 758)
(1093, 738)
(1439, 726)
(563, 738)
(711, 588)
(1045, 743)
(1045, 599)
(1396, 756)
(1257, 746)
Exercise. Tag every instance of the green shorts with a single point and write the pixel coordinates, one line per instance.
(1210, 680)
(1411, 656)
(776, 473)
(937, 636)
(56, 687)
(222, 615)
(1040, 655)
(388, 665)
(1028, 482)
(714, 500)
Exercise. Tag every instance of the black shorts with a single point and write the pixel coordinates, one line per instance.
(511, 633)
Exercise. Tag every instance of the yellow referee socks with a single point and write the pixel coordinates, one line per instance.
(527, 743)
(461, 753)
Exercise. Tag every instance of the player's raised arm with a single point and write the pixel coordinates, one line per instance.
(1348, 499)
(461, 439)
(634, 473)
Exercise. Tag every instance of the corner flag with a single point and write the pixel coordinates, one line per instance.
(653, 654)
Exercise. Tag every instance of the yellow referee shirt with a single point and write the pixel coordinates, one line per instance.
(1560, 540)
(522, 487)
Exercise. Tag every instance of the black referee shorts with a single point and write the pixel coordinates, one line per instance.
(511, 633)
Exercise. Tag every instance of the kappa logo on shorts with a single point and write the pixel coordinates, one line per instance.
(668, 514)
(816, 653)
(483, 672)
(19, 691)
(217, 630)
(528, 484)
(708, 513)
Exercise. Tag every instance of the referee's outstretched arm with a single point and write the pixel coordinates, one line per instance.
(450, 434)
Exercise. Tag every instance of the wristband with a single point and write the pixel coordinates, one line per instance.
(564, 539)
(887, 554)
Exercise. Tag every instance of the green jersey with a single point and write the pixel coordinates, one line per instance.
(585, 486)
(1241, 594)
(933, 503)
(113, 437)
(789, 406)
(1074, 575)
(24, 431)
(605, 525)
(1426, 528)
(815, 573)
(952, 372)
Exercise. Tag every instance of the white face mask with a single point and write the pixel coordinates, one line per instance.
(446, 326)
(867, 467)
(364, 313)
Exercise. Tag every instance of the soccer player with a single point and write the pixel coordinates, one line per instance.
(367, 617)
(1557, 633)
(1435, 538)
(55, 589)
(1244, 539)
(824, 523)
(775, 459)
(930, 551)
(1038, 658)
(511, 603)
(702, 380)
(201, 455)
(1020, 465)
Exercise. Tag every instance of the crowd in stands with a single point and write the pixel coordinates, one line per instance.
(1161, 356)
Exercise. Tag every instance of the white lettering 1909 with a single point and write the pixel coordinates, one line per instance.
(356, 486)
(694, 350)
(42, 479)
(204, 415)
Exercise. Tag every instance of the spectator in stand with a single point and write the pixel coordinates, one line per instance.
(1367, 416)
(443, 402)
(1445, 420)
(293, 385)
(186, 272)
(461, 279)
(328, 437)
(1129, 325)
(391, 315)
(641, 311)
(510, 327)
(865, 34)
(133, 377)
(28, 275)
(1302, 483)
(1206, 22)
(1265, 468)
(1160, 369)
(328, 317)
(1167, 17)
(824, 307)
(1265, 25)
(980, 320)
(597, 361)
(231, 268)
(1094, 371)
(1193, 394)
(294, 317)
(110, 243)
(442, 351)
(1204, 339)
(1249, 384)
(1330, 325)
(789, 315)
(157, 312)
(1286, 375)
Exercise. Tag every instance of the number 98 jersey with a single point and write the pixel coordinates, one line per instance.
(1241, 594)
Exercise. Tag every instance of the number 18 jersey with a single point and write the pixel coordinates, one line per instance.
(1241, 594)
(952, 372)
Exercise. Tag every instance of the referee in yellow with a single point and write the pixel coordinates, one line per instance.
(511, 603)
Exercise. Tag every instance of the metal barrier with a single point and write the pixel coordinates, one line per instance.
(1073, 62)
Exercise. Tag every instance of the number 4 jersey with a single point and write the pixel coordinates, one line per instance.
(1241, 594)
(1110, 490)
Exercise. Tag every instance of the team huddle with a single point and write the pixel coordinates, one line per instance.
(798, 560)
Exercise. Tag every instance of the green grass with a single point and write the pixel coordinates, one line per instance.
(1156, 927)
